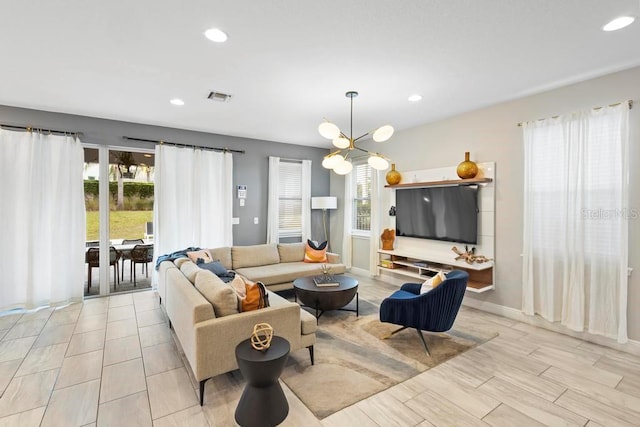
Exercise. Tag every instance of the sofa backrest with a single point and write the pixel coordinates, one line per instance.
(190, 269)
(223, 255)
(291, 252)
(255, 255)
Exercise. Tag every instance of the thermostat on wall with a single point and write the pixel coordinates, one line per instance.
(242, 191)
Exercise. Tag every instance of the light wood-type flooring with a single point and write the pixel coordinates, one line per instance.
(113, 361)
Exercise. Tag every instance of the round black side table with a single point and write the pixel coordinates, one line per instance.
(263, 402)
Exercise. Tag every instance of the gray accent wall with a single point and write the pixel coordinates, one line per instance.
(251, 168)
(492, 134)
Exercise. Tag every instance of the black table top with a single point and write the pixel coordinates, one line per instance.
(279, 348)
(307, 284)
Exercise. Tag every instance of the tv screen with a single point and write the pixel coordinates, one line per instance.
(439, 213)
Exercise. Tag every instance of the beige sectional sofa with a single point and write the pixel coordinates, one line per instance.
(202, 315)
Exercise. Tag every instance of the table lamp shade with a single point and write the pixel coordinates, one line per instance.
(329, 202)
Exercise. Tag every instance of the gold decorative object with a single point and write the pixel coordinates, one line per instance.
(467, 169)
(261, 336)
(388, 236)
(325, 269)
(393, 176)
(469, 256)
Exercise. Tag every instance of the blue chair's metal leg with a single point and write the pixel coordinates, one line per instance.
(424, 343)
(394, 332)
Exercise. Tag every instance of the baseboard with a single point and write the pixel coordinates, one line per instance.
(632, 346)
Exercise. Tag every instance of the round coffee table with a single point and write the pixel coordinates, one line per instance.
(325, 298)
(263, 402)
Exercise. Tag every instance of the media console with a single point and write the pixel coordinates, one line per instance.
(422, 267)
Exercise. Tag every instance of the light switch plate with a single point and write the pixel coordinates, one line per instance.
(235, 221)
(255, 219)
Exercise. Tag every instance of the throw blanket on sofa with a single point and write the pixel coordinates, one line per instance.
(174, 256)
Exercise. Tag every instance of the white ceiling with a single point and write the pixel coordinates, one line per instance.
(289, 63)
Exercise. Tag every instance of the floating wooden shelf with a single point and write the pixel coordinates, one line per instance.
(405, 264)
(450, 182)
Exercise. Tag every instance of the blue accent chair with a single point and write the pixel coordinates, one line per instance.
(434, 311)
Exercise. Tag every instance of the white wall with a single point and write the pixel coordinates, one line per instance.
(492, 134)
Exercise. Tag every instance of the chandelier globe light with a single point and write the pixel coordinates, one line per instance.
(340, 160)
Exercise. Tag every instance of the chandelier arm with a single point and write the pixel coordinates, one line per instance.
(334, 153)
(362, 149)
(361, 136)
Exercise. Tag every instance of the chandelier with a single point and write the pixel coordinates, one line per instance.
(340, 160)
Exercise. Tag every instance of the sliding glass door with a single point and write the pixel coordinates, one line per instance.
(119, 202)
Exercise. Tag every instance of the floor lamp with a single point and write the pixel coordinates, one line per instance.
(324, 203)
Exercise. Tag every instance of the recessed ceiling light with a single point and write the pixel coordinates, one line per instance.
(216, 35)
(147, 155)
(415, 98)
(177, 101)
(619, 23)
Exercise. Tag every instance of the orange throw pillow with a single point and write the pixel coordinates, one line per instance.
(313, 253)
(256, 298)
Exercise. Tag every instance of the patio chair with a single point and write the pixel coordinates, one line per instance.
(140, 254)
(127, 254)
(92, 258)
(148, 233)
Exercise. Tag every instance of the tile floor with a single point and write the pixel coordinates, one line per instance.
(113, 361)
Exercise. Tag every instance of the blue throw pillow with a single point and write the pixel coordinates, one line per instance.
(215, 267)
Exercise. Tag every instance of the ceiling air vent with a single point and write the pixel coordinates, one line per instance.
(219, 96)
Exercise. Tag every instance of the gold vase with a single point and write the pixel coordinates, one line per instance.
(393, 176)
(467, 169)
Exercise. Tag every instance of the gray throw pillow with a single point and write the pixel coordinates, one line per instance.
(215, 267)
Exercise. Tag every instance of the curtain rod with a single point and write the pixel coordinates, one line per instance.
(35, 129)
(160, 141)
(630, 102)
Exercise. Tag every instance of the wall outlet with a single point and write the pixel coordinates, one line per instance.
(255, 219)
(235, 221)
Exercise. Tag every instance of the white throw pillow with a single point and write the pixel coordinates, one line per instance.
(433, 282)
(426, 286)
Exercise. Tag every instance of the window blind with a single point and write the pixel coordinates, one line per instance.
(362, 197)
(290, 203)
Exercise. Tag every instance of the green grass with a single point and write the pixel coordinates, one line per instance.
(123, 224)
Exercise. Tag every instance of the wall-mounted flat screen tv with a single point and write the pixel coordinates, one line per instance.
(438, 213)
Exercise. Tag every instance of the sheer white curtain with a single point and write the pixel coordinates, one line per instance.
(348, 219)
(42, 219)
(306, 200)
(273, 202)
(374, 239)
(193, 199)
(575, 220)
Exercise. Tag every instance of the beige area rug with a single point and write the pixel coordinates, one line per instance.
(353, 363)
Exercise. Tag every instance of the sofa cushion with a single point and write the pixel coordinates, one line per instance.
(223, 255)
(254, 256)
(222, 296)
(190, 269)
(291, 252)
(308, 322)
(179, 261)
(286, 272)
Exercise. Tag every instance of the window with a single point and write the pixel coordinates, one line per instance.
(575, 183)
(575, 251)
(290, 200)
(361, 177)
